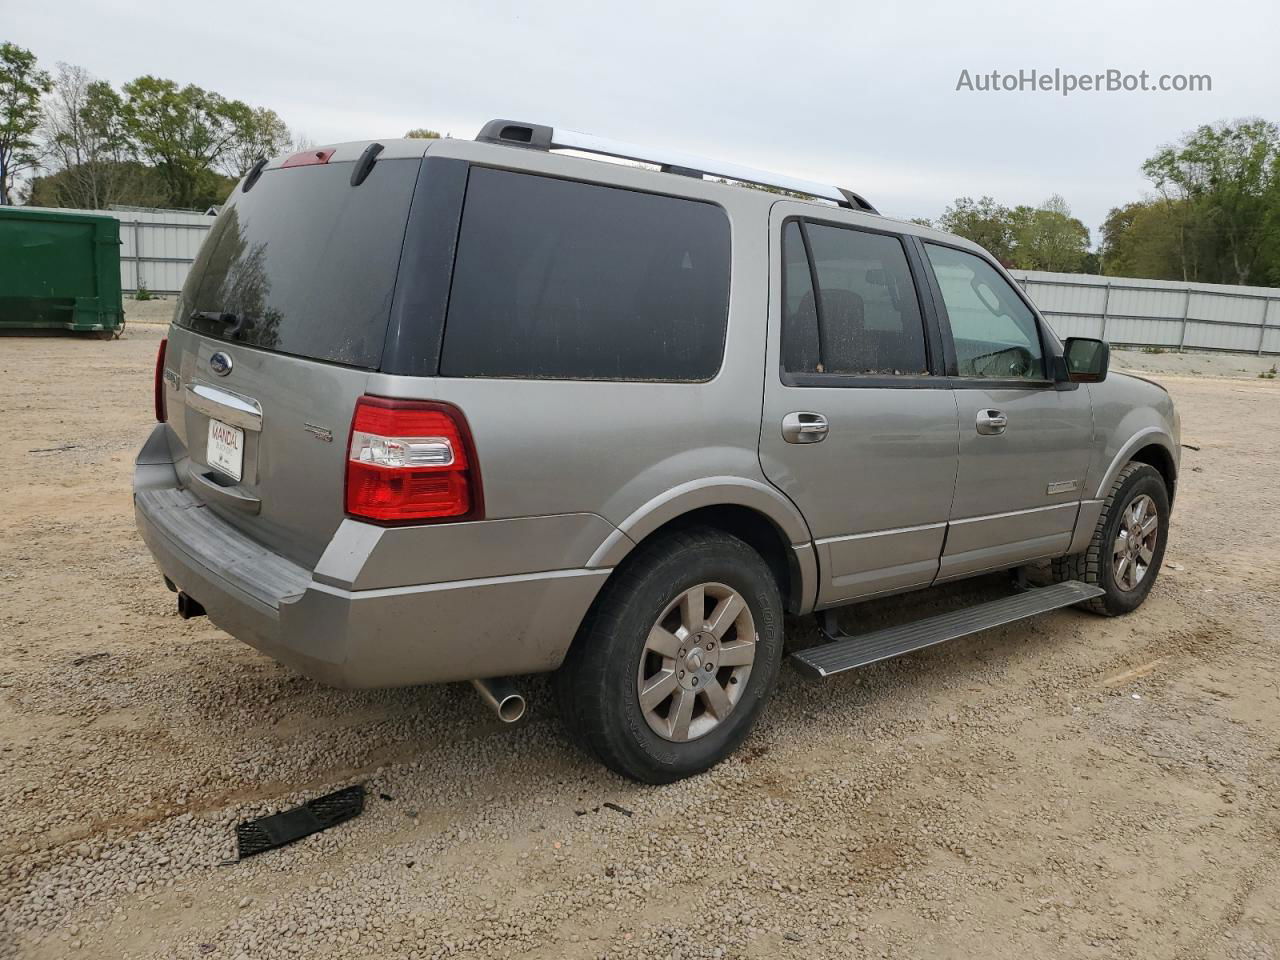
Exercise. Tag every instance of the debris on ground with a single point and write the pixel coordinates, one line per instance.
(289, 826)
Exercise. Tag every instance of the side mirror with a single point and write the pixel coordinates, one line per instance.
(1086, 359)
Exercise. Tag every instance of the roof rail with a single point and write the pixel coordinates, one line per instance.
(539, 137)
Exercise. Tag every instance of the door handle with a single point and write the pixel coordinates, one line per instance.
(804, 427)
(991, 422)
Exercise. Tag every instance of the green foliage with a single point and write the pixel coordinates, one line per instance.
(183, 131)
(1142, 239)
(985, 222)
(1221, 181)
(143, 293)
(421, 133)
(152, 144)
(1215, 216)
(1049, 238)
(1153, 349)
(259, 132)
(96, 186)
(1030, 238)
(22, 84)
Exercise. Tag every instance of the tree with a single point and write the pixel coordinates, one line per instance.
(83, 130)
(21, 85)
(129, 183)
(1141, 239)
(1221, 181)
(1048, 237)
(259, 132)
(983, 221)
(185, 132)
(421, 133)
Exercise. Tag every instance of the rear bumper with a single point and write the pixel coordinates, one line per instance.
(391, 636)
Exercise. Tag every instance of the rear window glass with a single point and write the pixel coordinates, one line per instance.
(563, 280)
(307, 261)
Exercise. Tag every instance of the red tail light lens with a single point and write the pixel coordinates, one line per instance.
(308, 157)
(161, 413)
(411, 461)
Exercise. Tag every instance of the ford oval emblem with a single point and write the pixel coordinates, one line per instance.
(220, 363)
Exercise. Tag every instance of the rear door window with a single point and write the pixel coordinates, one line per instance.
(563, 280)
(866, 318)
(307, 261)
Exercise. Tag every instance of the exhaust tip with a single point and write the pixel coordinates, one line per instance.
(189, 607)
(511, 708)
(502, 698)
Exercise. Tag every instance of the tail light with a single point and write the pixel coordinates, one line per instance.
(411, 461)
(161, 413)
(308, 157)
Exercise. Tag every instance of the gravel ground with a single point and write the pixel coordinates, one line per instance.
(155, 310)
(1234, 366)
(1069, 787)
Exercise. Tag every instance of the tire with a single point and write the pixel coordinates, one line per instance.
(599, 685)
(1096, 565)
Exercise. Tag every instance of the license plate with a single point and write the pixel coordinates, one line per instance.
(225, 451)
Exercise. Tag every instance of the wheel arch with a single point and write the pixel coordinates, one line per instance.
(1151, 446)
(751, 511)
(1156, 455)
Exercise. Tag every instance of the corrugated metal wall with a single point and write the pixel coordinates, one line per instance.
(1164, 313)
(157, 246)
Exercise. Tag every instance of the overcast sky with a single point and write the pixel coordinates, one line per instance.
(859, 94)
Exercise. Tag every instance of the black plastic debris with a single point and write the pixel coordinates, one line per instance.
(607, 805)
(288, 826)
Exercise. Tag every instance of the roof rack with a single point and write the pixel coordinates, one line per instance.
(539, 137)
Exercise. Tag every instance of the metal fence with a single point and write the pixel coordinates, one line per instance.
(1158, 313)
(157, 247)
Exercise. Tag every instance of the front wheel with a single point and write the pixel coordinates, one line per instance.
(677, 658)
(1127, 548)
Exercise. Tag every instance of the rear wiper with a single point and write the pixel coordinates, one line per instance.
(237, 323)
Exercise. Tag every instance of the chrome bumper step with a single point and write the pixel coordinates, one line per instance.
(848, 651)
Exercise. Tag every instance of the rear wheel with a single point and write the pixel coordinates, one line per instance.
(677, 658)
(1127, 548)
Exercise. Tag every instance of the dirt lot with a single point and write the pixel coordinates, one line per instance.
(1072, 787)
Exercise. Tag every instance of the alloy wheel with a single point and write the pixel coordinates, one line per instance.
(696, 661)
(1135, 543)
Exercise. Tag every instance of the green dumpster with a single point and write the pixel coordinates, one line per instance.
(59, 271)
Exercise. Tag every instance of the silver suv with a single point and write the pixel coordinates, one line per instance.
(450, 410)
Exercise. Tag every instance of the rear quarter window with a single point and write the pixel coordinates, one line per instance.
(562, 280)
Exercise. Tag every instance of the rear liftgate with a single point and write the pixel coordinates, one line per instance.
(847, 651)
